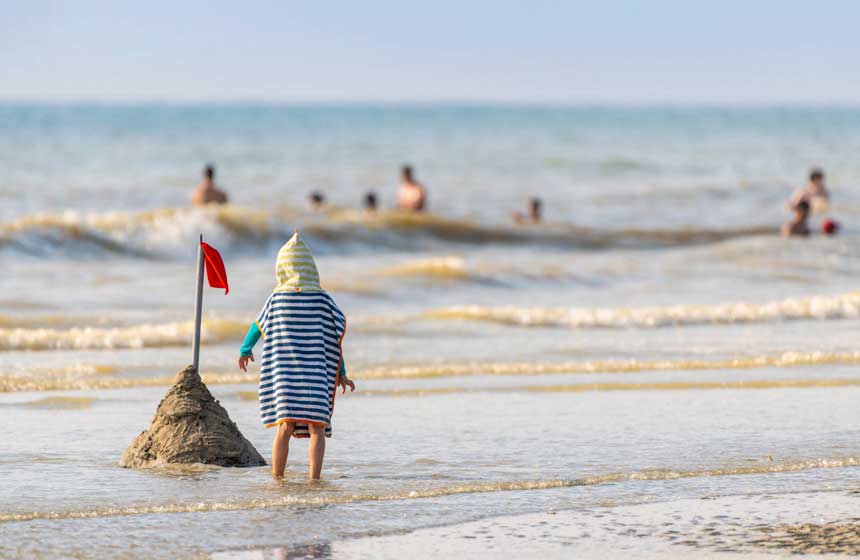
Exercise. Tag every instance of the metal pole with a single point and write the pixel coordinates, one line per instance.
(198, 306)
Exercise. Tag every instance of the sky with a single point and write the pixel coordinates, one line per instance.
(500, 51)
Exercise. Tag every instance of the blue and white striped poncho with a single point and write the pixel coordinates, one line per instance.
(303, 331)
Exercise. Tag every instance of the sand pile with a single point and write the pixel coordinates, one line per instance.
(190, 426)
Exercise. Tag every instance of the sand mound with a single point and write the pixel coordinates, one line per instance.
(190, 426)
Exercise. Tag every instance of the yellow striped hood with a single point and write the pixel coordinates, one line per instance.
(296, 269)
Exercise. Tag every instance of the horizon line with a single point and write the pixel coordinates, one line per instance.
(501, 103)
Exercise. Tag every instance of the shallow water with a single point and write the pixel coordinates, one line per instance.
(655, 342)
(728, 527)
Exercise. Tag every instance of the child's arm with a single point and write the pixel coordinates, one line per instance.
(343, 380)
(245, 353)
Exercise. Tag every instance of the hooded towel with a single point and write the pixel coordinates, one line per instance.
(303, 329)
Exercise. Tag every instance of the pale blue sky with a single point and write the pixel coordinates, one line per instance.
(364, 50)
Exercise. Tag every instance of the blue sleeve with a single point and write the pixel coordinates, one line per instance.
(250, 340)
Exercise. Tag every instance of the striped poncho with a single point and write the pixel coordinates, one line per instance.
(303, 330)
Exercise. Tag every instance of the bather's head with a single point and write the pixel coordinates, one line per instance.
(816, 176)
(407, 174)
(209, 172)
(316, 200)
(370, 201)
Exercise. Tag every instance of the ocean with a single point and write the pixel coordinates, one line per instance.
(652, 344)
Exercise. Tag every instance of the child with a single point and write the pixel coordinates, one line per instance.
(302, 363)
(316, 201)
(533, 216)
(371, 204)
(799, 226)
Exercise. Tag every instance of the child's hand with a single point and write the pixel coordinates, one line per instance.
(346, 381)
(243, 362)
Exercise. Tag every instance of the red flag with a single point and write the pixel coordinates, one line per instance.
(215, 271)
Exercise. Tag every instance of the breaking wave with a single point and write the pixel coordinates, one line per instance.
(786, 359)
(426, 493)
(60, 402)
(59, 381)
(609, 387)
(843, 306)
(134, 337)
(93, 376)
(446, 268)
(163, 232)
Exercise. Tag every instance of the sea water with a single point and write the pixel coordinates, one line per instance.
(653, 341)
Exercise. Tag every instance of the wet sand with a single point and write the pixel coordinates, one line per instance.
(548, 536)
(811, 538)
(726, 527)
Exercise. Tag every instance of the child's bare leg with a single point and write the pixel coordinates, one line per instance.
(316, 449)
(281, 448)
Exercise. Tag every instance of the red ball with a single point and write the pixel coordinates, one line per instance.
(829, 227)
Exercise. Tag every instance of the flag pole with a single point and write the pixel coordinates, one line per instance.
(198, 305)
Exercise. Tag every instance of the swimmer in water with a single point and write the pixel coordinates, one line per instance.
(815, 193)
(207, 192)
(533, 216)
(371, 204)
(799, 225)
(316, 201)
(412, 196)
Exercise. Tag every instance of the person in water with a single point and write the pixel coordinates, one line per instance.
(814, 192)
(533, 216)
(799, 225)
(302, 360)
(412, 196)
(371, 204)
(316, 201)
(207, 192)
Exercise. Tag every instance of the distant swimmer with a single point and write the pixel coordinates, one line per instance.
(412, 196)
(207, 192)
(316, 201)
(371, 204)
(533, 216)
(815, 193)
(799, 225)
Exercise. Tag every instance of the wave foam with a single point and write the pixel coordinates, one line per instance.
(843, 306)
(440, 267)
(159, 232)
(435, 492)
(608, 387)
(134, 337)
(88, 376)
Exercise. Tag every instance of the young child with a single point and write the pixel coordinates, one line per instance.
(799, 225)
(533, 216)
(302, 363)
